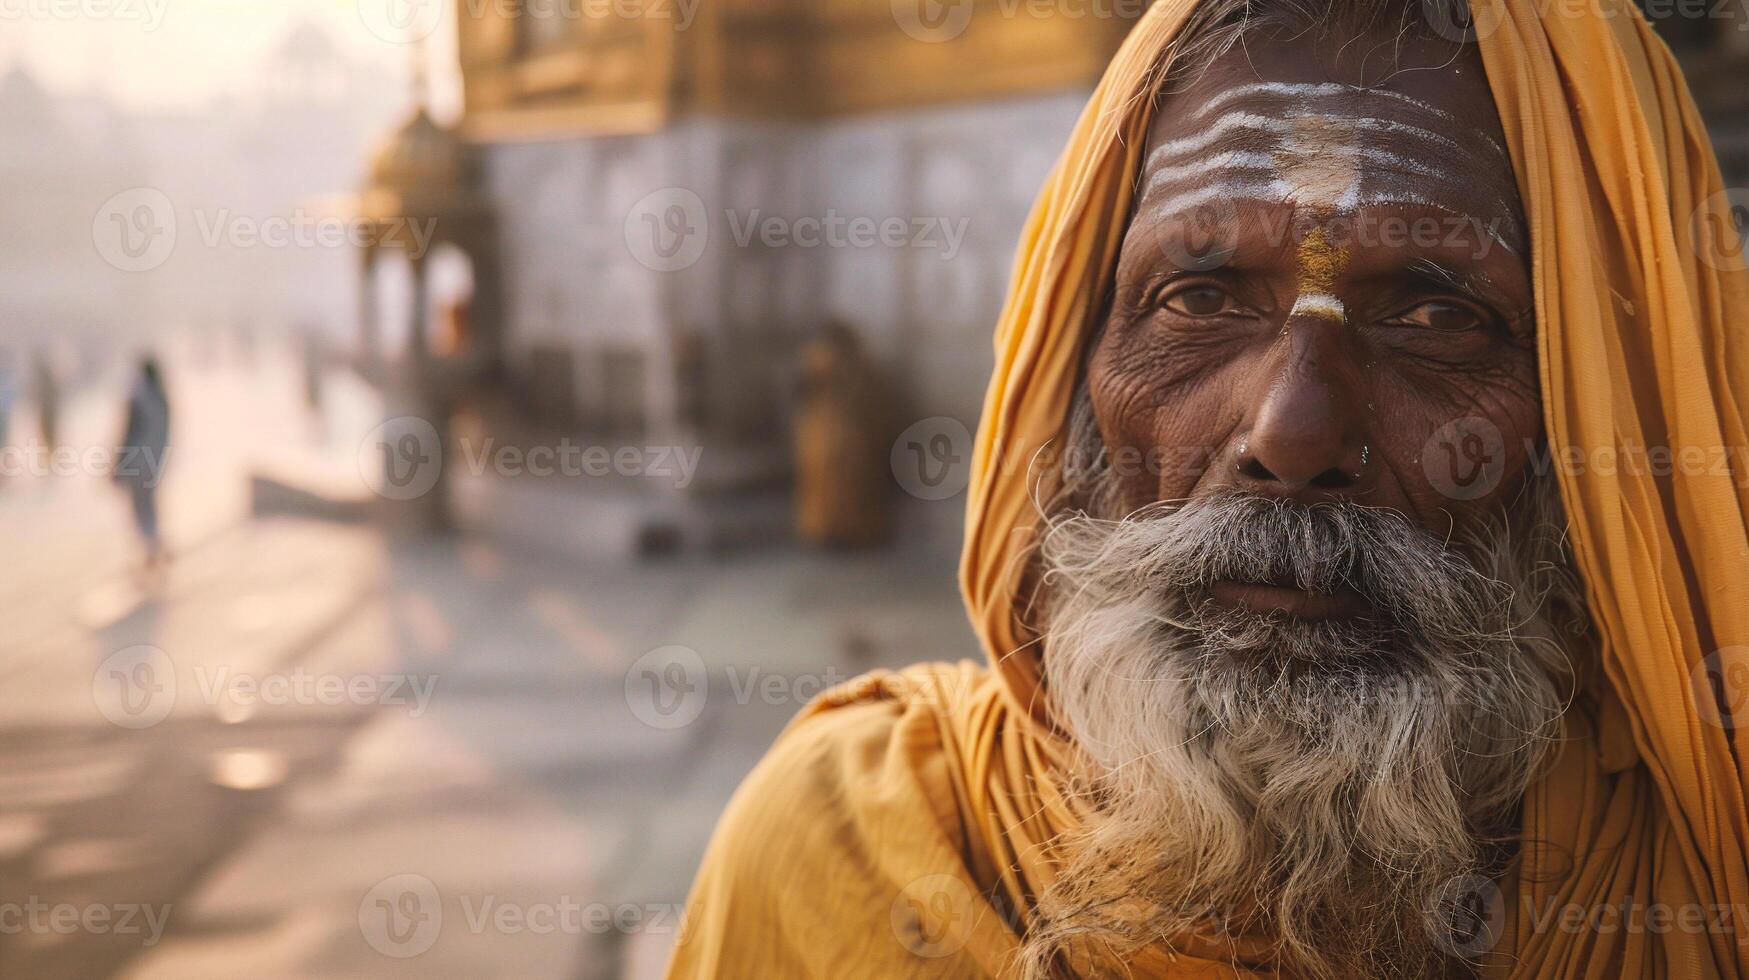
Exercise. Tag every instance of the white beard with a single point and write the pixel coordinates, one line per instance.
(1322, 785)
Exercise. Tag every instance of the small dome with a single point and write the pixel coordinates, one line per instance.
(22, 100)
(422, 157)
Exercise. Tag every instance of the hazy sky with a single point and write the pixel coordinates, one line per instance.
(178, 54)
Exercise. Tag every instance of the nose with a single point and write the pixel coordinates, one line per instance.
(1308, 432)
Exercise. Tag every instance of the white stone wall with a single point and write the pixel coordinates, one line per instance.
(578, 275)
(563, 207)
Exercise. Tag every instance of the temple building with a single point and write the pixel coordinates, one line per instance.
(664, 198)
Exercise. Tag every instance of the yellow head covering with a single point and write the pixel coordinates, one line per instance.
(904, 824)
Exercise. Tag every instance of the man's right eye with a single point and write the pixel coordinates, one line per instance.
(1200, 300)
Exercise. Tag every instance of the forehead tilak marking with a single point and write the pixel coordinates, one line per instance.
(1307, 92)
(1318, 160)
(1245, 120)
(1321, 263)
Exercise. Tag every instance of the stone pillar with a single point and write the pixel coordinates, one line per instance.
(370, 339)
(419, 316)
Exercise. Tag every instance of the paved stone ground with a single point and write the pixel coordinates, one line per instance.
(316, 752)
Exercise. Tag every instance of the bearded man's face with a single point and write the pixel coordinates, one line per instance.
(1305, 600)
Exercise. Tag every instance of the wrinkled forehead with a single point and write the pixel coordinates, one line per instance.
(1279, 131)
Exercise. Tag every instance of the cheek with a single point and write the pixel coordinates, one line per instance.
(1165, 412)
(1458, 450)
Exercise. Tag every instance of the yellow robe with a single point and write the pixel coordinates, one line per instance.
(903, 824)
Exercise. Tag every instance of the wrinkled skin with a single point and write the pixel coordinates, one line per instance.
(1269, 333)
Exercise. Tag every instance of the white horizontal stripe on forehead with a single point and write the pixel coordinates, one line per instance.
(1309, 91)
(1314, 159)
(1289, 124)
(1272, 191)
(1236, 187)
(1252, 161)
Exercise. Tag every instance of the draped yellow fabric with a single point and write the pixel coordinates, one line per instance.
(904, 823)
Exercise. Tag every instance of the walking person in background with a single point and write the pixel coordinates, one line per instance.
(8, 392)
(140, 462)
(48, 401)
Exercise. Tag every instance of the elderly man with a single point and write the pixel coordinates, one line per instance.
(1333, 650)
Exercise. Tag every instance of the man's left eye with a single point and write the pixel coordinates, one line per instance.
(1442, 315)
(1199, 301)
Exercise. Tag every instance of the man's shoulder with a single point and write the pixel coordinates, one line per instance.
(855, 799)
(868, 753)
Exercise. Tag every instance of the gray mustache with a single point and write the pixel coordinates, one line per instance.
(1182, 549)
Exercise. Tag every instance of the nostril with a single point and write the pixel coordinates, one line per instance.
(1333, 479)
(1253, 467)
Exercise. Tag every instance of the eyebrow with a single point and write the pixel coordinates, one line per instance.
(1439, 273)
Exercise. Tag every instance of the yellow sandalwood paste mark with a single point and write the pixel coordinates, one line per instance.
(1320, 264)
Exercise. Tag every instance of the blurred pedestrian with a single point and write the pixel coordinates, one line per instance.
(843, 479)
(48, 401)
(314, 355)
(8, 393)
(144, 448)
